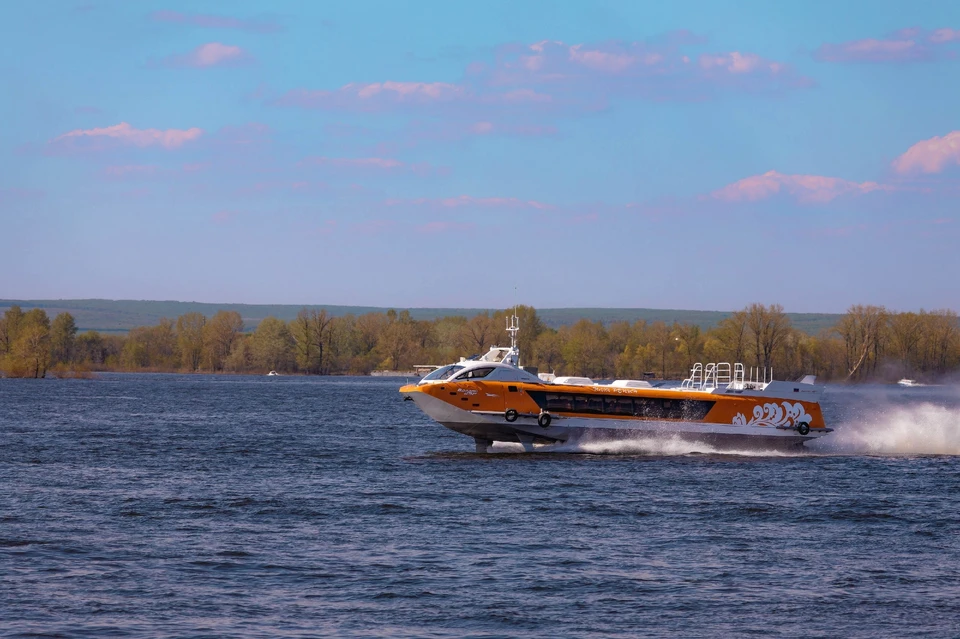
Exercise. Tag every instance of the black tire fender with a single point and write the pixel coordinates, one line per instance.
(544, 420)
(511, 415)
(803, 428)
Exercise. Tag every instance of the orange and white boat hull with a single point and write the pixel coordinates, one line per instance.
(491, 426)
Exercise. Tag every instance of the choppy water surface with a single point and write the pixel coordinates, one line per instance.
(169, 505)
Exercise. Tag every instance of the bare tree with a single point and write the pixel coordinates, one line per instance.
(768, 327)
(480, 331)
(732, 335)
(861, 330)
(905, 335)
(319, 323)
(220, 334)
(190, 339)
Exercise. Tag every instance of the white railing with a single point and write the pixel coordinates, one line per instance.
(715, 375)
(695, 381)
(759, 378)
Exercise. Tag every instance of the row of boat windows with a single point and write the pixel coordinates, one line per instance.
(448, 372)
(649, 407)
(444, 372)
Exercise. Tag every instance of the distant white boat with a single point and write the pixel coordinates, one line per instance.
(908, 382)
(273, 374)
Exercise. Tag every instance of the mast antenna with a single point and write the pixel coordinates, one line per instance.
(513, 327)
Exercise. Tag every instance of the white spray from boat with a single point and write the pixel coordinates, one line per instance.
(920, 429)
(650, 446)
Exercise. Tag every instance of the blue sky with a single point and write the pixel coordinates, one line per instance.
(697, 155)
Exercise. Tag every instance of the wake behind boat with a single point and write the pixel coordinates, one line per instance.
(495, 400)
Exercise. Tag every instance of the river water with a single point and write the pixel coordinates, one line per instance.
(203, 506)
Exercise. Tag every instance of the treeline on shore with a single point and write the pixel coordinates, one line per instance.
(868, 343)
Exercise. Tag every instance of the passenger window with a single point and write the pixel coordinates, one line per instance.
(649, 408)
(559, 402)
(588, 404)
(617, 406)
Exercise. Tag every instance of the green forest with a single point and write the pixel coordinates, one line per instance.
(119, 316)
(867, 343)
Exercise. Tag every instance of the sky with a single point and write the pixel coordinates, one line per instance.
(691, 155)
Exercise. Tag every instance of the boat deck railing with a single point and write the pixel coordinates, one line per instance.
(725, 375)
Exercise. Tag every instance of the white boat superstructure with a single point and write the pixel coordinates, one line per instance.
(507, 355)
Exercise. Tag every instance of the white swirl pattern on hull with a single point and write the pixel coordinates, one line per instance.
(775, 415)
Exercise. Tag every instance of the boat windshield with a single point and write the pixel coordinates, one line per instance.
(444, 372)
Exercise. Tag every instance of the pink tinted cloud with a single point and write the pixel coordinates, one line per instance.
(930, 156)
(871, 50)
(452, 131)
(385, 96)
(807, 189)
(372, 164)
(942, 36)
(215, 22)
(123, 134)
(383, 164)
(468, 201)
(658, 70)
(211, 54)
(605, 61)
(553, 75)
(737, 63)
(907, 45)
(373, 97)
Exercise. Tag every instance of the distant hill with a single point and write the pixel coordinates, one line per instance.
(119, 316)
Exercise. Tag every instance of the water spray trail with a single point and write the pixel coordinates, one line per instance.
(923, 429)
(658, 447)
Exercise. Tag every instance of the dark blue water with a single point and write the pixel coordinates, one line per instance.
(290, 507)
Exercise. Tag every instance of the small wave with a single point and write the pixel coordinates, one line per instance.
(923, 429)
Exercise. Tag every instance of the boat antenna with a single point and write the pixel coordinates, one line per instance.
(513, 327)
